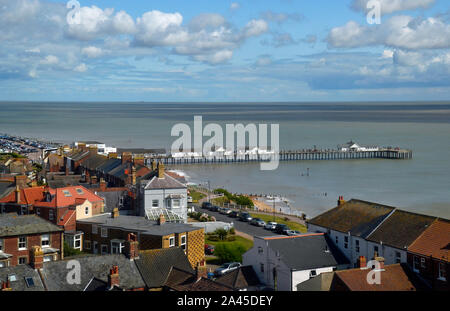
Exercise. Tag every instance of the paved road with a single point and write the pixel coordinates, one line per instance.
(239, 225)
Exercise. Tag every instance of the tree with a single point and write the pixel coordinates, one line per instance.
(228, 252)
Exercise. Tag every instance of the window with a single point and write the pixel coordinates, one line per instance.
(176, 203)
(375, 249)
(171, 241)
(87, 244)
(423, 263)
(121, 201)
(23, 210)
(79, 191)
(398, 257)
(183, 242)
(45, 240)
(313, 273)
(22, 260)
(77, 242)
(262, 267)
(22, 242)
(346, 242)
(94, 229)
(29, 281)
(12, 278)
(155, 203)
(442, 275)
(416, 264)
(48, 258)
(1, 245)
(104, 232)
(67, 193)
(2, 264)
(95, 247)
(104, 249)
(117, 247)
(337, 239)
(260, 250)
(38, 211)
(86, 210)
(357, 246)
(50, 214)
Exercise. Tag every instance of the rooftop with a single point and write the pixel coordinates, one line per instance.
(20, 278)
(180, 280)
(168, 182)
(12, 224)
(241, 278)
(434, 241)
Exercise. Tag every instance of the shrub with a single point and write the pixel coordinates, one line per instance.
(69, 251)
(231, 238)
(232, 231)
(221, 233)
(229, 252)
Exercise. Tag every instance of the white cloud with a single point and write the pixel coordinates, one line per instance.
(33, 50)
(391, 6)
(215, 58)
(255, 27)
(235, 6)
(81, 68)
(92, 52)
(206, 21)
(156, 28)
(387, 54)
(50, 60)
(32, 73)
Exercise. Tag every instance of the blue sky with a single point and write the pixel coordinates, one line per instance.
(287, 50)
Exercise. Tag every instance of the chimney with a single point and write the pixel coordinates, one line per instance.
(362, 262)
(133, 175)
(36, 257)
(381, 261)
(93, 179)
(66, 170)
(161, 220)
(6, 286)
(132, 246)
(201, 271)
(113, 277)
(341, 200)
(93, 150)
(160, 170)
(115, 213)
(139, 160)
(112, 155)
(154, 165)
(87, 177)
(127, 157)
(21, 181)
(82, 146)
(17, 195)
(102, 185)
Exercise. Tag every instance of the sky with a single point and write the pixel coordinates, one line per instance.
(224, 51)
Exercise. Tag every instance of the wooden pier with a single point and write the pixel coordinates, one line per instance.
(291, 155)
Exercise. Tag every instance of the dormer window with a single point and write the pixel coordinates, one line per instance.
(67, 193)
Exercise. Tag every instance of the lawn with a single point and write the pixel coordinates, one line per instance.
(232, 247)
(196, 196)
(245, 242)
(291, 224)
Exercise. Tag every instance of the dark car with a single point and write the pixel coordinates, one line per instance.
(245, 217)
(214, 208)
(281, 228)
(206, 205)
(209, 249)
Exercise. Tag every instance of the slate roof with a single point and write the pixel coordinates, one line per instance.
(12, 224)
(321, 282)
(109, 165)
(78, 155)
(155, 265)
(180, 280)
(138, 223)
(21, 272)
(141, 151)
(6, 187)
(396, 277)
(241, 278)
(61, 181)
(168, 182)
(358, 217)
(307, 251)
(112, 199)
(434, 241)
(401, 228)
(55, 272)
(94, 161)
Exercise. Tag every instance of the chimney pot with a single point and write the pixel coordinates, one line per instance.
(362, 262)
(115, 213)
(132, 246)
(37, 257)
(161, 220)
(160, 170)
(113, 277)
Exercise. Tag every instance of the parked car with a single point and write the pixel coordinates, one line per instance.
(226, 211)
(281, 228)
(206, 205)
(258, 222)
(209, 249)
(214, 208)
(227, 267)
(293, 232)
(270, 225)
(234, 214)
(245, 217)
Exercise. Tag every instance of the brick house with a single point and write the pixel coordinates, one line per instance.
(429, 255)
(20, 234)
(107, 234)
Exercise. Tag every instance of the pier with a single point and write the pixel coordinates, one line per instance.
(288, 155)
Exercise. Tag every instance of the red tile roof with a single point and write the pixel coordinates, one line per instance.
(434, 241)
(27, 196)
(69, 196)
(66, 217)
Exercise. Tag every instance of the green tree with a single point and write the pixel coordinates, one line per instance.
(227, 252)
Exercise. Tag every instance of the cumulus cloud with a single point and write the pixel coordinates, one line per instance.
(255, 27)
(81, 68)
(50, 60)
(399, 31)
(281, 17)
(391, 6)
(92, 52)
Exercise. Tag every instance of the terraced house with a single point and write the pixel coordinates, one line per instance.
(108, 233)
(20, 235)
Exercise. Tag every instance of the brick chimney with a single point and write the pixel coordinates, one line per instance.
(113, 277)
(133, 175)
(102, 185)
(6, 286)
(201, 271)
(112, 155)
(87, 177)
(21, 181)
(127, 157)
(132, 246)
(93, 180)
(161, 220)
(381, 261)
(36, 257)
(160, 170)
(139, 160)
(341, 200)
(17, 191)
(115, 213)
(93, 150)
(82, 146)
(362, 262)
(154, 165)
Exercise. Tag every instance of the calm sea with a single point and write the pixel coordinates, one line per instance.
(419, 185)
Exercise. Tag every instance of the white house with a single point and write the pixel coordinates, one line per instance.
(360, 228)
(352, 146)
(163, 194)
(284, 262)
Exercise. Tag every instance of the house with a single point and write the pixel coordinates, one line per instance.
(360, 228)
(320, 283)
(19, 235)
(242, 279)
(181, 280)
(107, 234)
(396, 277)
(429, 254)
(155, 265)
(284, 262)
(164, 194)
(20, 278)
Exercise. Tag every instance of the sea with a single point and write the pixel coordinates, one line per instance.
(421, 184)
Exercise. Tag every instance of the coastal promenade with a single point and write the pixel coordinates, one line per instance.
(289, 155)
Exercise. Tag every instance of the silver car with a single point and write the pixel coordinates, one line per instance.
(226, 267)
(270, 225)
